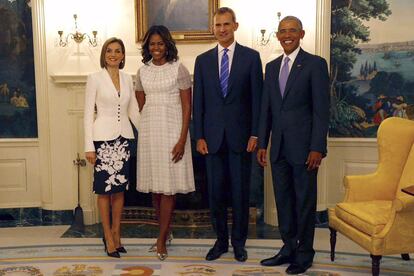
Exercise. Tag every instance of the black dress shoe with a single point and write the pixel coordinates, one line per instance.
(276, 260)
(240, 254)
(294, 269)
(215, 252)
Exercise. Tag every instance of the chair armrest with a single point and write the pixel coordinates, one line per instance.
(404, 203)
(362, 187)
(374, 186)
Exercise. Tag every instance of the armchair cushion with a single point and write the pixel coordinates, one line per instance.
(369, 217)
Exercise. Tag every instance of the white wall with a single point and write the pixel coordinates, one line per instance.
(116, 18)
(50, 177)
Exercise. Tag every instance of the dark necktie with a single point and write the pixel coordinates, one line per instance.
(283, 77)
(224, 72)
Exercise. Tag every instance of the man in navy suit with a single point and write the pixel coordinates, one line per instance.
(228, 83)
(295, 109)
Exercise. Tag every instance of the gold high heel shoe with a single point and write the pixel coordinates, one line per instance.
(153, 248)
(170, 238)
(162, 256)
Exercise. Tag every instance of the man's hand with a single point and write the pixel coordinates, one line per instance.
(314, 160)
(91, 157)
(261, 157)
(252, 144)
(202, 146)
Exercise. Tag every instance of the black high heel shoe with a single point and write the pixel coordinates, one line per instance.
(114, 254)
(121, 249)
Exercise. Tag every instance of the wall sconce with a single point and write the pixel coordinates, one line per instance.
(262, 40)
(77, 36)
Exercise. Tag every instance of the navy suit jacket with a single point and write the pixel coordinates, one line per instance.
(236, 115)
(300, 119)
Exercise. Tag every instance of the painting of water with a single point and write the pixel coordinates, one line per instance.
(372, 65)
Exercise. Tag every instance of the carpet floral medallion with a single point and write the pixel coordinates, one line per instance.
(183, 260)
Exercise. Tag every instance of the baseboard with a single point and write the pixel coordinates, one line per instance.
(13, 217)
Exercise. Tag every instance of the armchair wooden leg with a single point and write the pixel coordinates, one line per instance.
(376, 264)
(405, 257)
(333, 243)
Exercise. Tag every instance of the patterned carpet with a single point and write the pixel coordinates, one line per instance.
(185, 260)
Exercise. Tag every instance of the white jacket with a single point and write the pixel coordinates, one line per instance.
(113, 112)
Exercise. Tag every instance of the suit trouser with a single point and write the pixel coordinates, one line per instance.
(235, 167)
(295, 191)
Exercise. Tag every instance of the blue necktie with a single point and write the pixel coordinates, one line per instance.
(224, 72)
(283, 77)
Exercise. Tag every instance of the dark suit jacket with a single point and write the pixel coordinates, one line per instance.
(301, 118)
(236, 115)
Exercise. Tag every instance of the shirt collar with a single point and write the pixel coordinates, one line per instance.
(292, 56)
(231, 47)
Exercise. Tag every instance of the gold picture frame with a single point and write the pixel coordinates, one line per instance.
(188, 20)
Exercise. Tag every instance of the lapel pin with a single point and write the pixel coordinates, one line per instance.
(299, 65)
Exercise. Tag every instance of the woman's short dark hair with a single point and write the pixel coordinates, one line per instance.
(164, 33)
(105, 46)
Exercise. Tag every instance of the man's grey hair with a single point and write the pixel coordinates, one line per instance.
(290, 18)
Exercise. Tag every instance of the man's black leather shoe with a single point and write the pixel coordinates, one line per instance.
(276, 260)
(240, 254)
(294, 269)
(215, 252)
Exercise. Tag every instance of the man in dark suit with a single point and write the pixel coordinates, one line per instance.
(295, 109)
(228, 83)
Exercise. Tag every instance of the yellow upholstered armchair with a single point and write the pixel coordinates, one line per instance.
(375, 213)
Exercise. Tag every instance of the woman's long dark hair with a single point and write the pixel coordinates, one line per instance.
(164, 33)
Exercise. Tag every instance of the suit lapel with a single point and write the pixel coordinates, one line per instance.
(294, 72)
(215, 69)
(236, 63)
(276, 73)
(121, 85)
(111, 84)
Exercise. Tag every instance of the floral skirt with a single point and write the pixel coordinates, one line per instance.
(111, 171)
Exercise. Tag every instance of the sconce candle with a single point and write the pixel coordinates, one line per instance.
(262, 40)
(77, 36)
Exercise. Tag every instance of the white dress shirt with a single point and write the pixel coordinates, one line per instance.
(230, 54)
(113, 111)
(292, 58)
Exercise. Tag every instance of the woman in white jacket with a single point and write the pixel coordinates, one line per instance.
(107, 137)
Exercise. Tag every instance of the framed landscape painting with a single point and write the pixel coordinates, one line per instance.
(188, 20)
(18, 117)
(372, 65)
